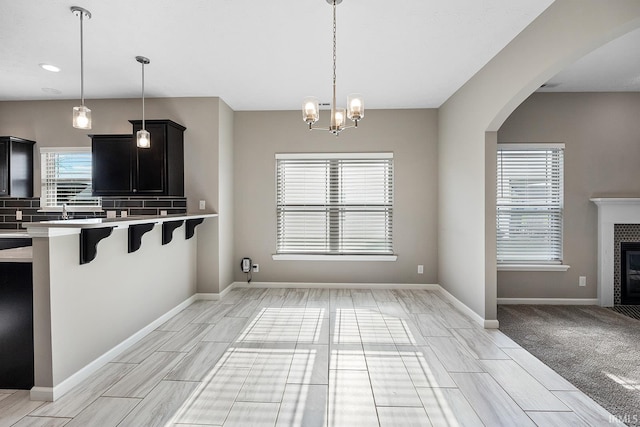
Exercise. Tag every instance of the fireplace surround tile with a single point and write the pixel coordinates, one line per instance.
(621, 233)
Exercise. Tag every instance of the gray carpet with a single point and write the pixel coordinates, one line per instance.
(596, 349)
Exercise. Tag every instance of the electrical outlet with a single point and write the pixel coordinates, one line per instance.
(255, 268)
(582, 281)
(111, 214)
(163, 213)
(421, 269)
(202, 205)
(123, 214)
(18, 215)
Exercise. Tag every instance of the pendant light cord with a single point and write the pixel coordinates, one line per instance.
(143, 127)
(81, 59)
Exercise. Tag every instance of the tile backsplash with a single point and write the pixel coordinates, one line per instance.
(134, 206)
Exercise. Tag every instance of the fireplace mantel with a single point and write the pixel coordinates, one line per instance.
(611, 211)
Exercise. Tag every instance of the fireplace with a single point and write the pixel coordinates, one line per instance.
(630, 273)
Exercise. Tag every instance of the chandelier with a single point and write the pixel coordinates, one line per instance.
(355, 103)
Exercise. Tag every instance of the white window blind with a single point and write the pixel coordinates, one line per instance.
(530, 203)
(66, 179)
(335, 204)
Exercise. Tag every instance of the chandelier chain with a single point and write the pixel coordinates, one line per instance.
(334, 42)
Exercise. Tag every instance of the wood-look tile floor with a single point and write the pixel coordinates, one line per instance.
(317, 357)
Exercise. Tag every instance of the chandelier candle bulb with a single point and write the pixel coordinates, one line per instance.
(339, 117)
(310, 110)
(356, 107)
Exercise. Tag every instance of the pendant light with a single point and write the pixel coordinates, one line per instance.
(81, 114)
(355, 103)
(143, 139)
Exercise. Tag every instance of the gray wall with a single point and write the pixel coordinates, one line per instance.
(410, 134)
(601, 132)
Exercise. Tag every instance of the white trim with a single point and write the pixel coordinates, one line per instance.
(51, 232)
(548, 301)
(533, 267)
(323, 257)
(43, 394)
(305, 156)
(313, 285)
(211, 296)
(491, 324)
(65, 150)
(53, 393)
(488, 324)
(530, 146)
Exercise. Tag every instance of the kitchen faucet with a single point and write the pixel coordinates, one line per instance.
(65, 214)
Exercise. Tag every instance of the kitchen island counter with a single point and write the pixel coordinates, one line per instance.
(118, 222)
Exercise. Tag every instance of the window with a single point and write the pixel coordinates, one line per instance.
(335, 204)
(66, 179)
(530, 203)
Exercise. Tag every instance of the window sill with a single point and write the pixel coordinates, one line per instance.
(319, 257)
(533, 267)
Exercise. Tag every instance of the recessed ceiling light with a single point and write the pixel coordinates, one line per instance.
(51, 90)
(50, 67)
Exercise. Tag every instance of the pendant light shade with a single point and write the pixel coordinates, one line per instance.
(81, 114)
(143, 138)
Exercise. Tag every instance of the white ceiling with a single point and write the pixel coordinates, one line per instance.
(268, 55)
(615, 67)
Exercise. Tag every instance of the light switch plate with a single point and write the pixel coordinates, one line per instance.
(18, 215)
(202, 205)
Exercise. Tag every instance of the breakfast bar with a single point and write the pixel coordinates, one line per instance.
(100, 284)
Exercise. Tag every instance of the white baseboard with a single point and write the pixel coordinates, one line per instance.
(53, 393)
(487, 324)
(548, 301)
(312, 285)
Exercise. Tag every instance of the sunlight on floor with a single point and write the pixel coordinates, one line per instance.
(275, 357)
(627, 383)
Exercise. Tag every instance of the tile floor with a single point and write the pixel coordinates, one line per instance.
(317, 357)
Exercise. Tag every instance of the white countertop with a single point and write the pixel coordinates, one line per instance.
(14, 234)
(24, 254)
(118, 222)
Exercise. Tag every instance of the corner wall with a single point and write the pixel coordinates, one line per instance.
(566, 31)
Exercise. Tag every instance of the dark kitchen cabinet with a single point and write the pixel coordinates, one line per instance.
(16, 333)
(16, 167)
(113, 164)
(120, 168)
